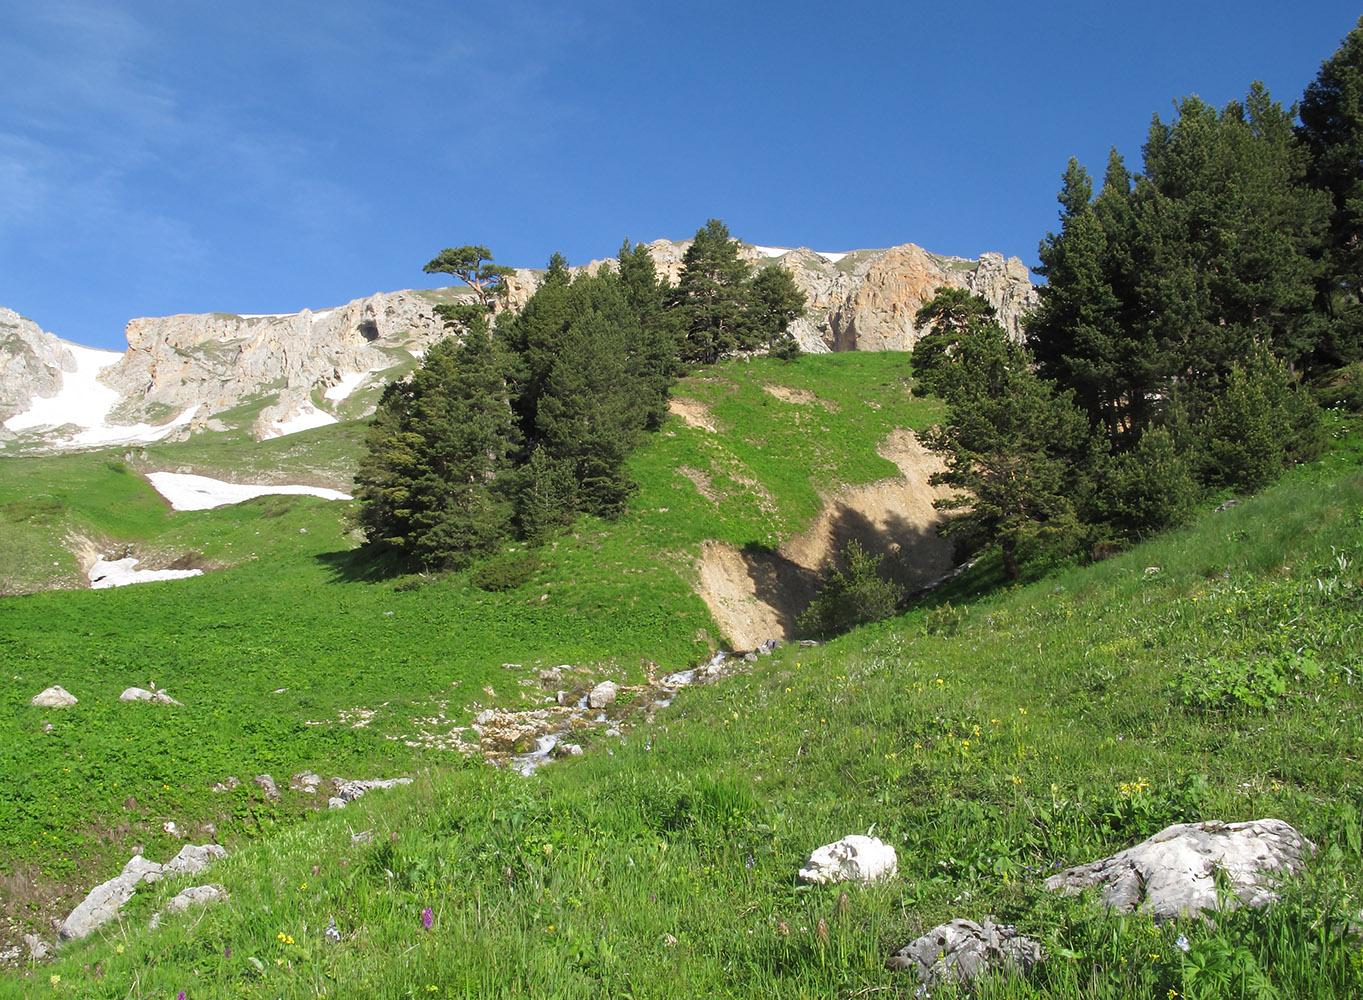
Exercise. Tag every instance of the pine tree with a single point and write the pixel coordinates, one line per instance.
(775, 301)
(428, 485)
(710, 297)
(593, 410)
(1017, 452)
(1076, 335)
(653, 354)
(1332, 132)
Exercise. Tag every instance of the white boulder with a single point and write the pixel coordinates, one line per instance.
(855, 858)
(1174, 873)
(54, 697)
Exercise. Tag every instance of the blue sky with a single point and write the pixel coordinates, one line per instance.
(159, 156)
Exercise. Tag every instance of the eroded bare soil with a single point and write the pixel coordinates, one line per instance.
(757, 594)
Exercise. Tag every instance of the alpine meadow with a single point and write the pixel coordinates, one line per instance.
(718, 620)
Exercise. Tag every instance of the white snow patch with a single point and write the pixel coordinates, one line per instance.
(315, 316)
(307, 417)
(832, 258)
(342, 389)
(120, 572)
(186, 492)
(86, 402)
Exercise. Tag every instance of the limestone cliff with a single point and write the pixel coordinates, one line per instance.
(31, 363)
(215, 361)
(866, 300)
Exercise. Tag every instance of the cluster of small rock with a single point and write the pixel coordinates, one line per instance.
(1172, 874)
(346, 790)
(58, 697)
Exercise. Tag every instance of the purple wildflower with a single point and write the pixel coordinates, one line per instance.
(180, 995)
(427, 918)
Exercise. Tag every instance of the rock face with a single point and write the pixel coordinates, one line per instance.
(106, 899)
(31, 363)
(852, 859)
(214, 361)
(962, 950)
(1174, 872)
(299, 368)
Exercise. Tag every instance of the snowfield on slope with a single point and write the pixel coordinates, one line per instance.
(187, 492)
(85, 402)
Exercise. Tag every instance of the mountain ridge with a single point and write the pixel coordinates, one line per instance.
(279, 373)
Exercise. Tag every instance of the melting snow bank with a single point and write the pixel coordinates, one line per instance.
(186, 492)
(119, 573)
(831, 257)
(85, 402)
(307, 418)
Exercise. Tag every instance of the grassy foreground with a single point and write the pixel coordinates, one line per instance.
(292, 653)
(1212, 673)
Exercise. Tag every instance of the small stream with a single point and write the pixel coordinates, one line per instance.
(662, 690)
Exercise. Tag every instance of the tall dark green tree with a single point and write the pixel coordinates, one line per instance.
(1332, 131)
(1015, 451)
(594, 406)
(1229, 234)
(710, 298)
(1076, 335)
(440, 439)
(653, 360)
(774, 302)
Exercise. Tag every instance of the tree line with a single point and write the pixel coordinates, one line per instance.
(517, 427)
(1188, 309)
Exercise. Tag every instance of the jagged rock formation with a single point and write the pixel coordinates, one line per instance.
(31, 363)
(214, 361)
(180, 374)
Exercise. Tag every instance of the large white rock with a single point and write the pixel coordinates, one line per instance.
(853, 859)
(603, 694)
(1174, 873)
(54, 697)
(196, 895)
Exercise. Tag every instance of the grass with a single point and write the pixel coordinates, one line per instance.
(289, 607)
(989, 741)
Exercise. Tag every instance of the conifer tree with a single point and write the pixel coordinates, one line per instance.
(775, 301)
(1332, 131)
(1016, 451)
(710, 297)
(428, 485)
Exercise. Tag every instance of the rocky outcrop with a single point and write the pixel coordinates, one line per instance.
(105, 900)
(1175, 872)
(215, 361)
(961, 951)
(867, 301)
(31, 363)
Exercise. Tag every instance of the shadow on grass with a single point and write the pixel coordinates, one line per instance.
(366, 564)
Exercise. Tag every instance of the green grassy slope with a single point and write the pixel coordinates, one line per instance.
(289, 634)
(1042, 726)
